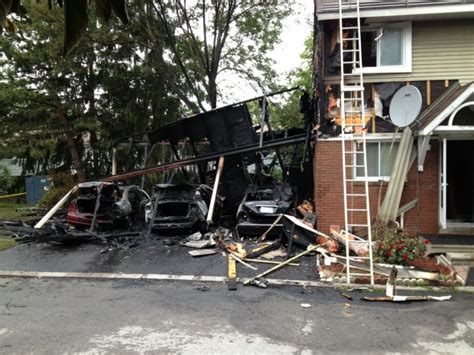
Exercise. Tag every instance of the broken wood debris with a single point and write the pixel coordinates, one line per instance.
(355, 244)
(406, 298)
(279, 266)
(232, 273)
(243, 262)
(202, 252)
(259, 261)
(391, 293)
(381, 269)
(346, 295)
(199, 241)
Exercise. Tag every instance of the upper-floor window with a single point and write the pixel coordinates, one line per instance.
(386, 48)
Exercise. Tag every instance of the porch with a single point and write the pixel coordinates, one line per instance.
(450, 120)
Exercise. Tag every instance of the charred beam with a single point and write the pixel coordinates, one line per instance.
(208, 157)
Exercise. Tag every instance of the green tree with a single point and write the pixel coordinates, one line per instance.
(209, 38)
(54, 113)
(76, 16)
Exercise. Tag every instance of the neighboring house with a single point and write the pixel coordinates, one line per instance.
(13, 166)
(430, 45)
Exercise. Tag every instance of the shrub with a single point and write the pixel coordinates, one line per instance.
(394, 246)
(6, 179)
(61, 185)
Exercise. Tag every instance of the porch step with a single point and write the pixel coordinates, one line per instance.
(444, 244)
(470, 277)
(461, 258)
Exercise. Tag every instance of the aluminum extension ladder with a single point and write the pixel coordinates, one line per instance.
(354, 147)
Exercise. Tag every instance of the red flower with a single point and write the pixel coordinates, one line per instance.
(426, 241)
(405, 257)
(400, 247)
(389, 254)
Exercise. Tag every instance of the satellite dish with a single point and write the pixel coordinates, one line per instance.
(405, 106)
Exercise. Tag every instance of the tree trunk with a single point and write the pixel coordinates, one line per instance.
(212, 92)
(76, 160)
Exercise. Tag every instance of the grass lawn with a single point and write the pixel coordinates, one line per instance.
(6, 243)
(8, 210)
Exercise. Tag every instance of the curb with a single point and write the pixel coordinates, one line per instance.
(149, 277)
(211, 279)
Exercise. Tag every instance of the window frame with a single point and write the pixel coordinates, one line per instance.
(406, 66)
(377, 178)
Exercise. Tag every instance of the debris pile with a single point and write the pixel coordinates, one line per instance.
(258, 210)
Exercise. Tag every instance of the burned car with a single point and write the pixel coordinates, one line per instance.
(177, 208)
(261, 206)
(107, 205)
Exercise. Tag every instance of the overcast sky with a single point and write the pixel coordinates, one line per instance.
(297, 28)
(286, 55)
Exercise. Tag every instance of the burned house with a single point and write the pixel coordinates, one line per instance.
(422, 49)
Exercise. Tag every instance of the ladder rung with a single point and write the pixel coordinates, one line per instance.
(350, 50)
(350, 28)
(357, 225)
(362, 258)
(355, 152)
(352, 180)
(355, 166)
(357, 209)
(357, 274)
(352, 88)
(356, 258)
(350, 38)
(356, 195)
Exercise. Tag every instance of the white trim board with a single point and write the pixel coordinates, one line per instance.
(369, 137)
(410, 12)
(455, 132)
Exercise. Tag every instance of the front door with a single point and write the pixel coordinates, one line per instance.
(459, 181)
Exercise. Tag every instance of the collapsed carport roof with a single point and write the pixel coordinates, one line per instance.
(214, 126)
(228, 131)
(225, 128)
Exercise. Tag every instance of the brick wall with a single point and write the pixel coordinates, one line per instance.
(328, 190)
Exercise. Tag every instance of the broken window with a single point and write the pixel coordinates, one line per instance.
(380, 159)
(386, 48)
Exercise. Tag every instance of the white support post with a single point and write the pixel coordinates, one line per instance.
(212, 204)
(114, 161)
